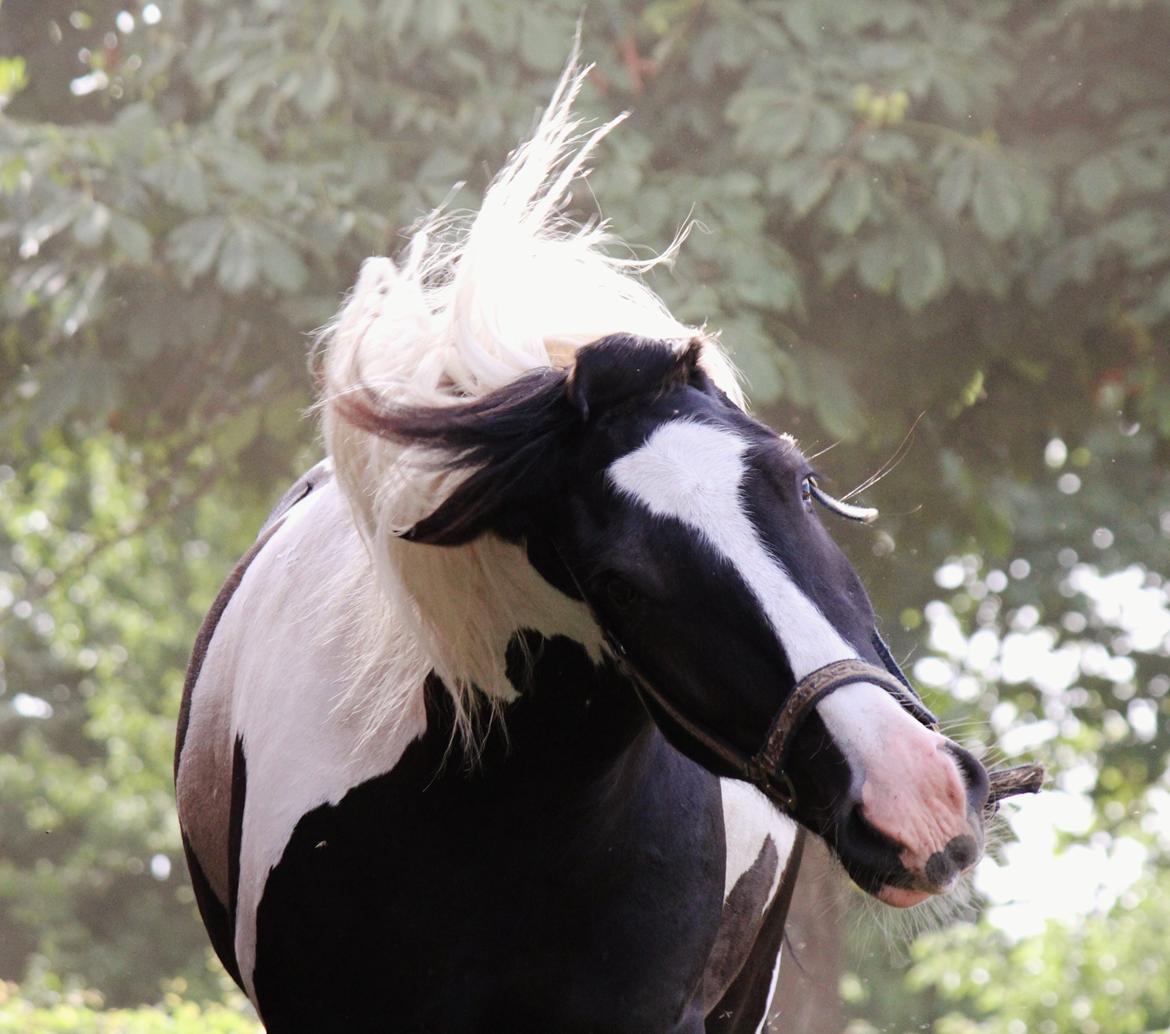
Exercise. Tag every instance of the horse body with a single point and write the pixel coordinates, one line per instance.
(467, 738)
(583, 870)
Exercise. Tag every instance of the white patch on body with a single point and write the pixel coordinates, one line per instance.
(283, 677)
(748, 819)
(292, 663)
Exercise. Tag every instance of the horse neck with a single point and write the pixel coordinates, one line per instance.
(574, 719)
(469, 604)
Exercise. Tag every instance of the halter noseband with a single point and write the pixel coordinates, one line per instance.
(765, 768)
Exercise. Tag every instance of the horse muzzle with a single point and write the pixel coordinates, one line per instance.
(916, 824)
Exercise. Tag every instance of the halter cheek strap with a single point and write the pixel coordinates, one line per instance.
(765, 768)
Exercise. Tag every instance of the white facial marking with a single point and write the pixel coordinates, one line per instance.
(692, 472)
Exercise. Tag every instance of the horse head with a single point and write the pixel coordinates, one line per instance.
(689, 530)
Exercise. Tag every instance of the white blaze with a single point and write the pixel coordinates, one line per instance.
(692, 472)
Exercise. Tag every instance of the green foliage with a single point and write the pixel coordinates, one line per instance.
(101, 588)
(1105, 975)
(904, 209)
(82, 1014)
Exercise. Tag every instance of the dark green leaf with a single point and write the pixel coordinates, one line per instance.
(1096, 183)
(91, 225)
(923, 273)
(808, 191)
(318, 88)
(280, 263)
(997, 202)
(132, 238)
(850, 202)
(238, 261)
(193, 246)
(954, 186)
(878, 263)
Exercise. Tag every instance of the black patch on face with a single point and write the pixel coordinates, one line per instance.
(687, 623)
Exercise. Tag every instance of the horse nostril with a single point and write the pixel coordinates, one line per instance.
(944, 866)
(974, 775)
(963, 852)
(939, 869)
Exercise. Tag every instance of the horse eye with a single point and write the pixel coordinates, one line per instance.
(621, 593)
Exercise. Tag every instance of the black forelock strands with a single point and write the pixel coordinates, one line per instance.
(509, 437)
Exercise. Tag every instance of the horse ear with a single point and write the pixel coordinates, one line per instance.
(622, 365)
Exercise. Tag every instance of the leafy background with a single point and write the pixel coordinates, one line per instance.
(939, 224)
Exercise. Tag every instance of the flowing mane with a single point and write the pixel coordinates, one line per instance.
(474, 303)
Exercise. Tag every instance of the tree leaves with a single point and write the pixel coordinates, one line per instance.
(239, 263)
(954, 186)
(318, 89)
(996, 199)
(194, 246)
(132, 238)
(850, 203)
(178, 176)
(1096, 184)
(923, 273)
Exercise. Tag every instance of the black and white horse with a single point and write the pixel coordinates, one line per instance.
(493, 728)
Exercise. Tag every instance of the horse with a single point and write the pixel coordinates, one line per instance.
(517, 713)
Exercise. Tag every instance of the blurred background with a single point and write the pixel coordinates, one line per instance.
(936, 237)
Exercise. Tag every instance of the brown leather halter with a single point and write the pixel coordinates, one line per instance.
(765, 768)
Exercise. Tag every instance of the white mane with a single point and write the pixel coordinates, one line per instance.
(474, 303)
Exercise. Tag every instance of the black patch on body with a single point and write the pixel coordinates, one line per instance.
(220, 927)
(742, 913)
(573, 883)
(236, 825)
(746, 1002)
